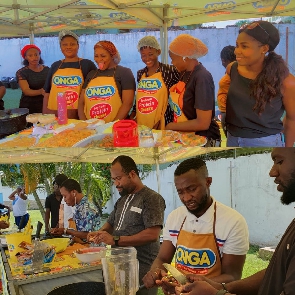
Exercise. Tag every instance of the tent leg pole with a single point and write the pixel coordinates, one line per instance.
(158, 174)
(31, 33)
(165, 37)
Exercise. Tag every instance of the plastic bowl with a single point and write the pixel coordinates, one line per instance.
(91, 254)
(60, 244)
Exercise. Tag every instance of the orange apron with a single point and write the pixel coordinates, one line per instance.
(151, 101)
(176, 95)
(102, 99)
(68, 81)
(198, 253)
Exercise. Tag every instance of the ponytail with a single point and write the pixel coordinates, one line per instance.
(268, 83)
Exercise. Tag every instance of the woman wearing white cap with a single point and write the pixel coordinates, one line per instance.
(152, 108)
(66, 76)
(193, 96)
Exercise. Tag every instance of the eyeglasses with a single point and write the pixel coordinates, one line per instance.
(253, 26)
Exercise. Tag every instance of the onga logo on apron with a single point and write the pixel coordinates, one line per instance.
(147, 104)
(100, 110)
(67, 81)
(71, 97)
(149, 85)
(100, 92)
(176, 109)
(190, 259)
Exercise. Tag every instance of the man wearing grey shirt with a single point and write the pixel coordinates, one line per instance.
(137, 218)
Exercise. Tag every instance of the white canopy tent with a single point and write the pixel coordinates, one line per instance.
(153, 156)
(37, 17)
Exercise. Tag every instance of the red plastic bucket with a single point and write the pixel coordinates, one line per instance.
(125, 133)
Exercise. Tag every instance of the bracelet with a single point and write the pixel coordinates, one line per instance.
(223, 286)
(221, 292)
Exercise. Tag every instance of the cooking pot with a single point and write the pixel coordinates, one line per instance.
(89, 288)
(12, 121)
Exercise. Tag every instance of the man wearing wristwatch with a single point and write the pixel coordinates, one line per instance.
(86, 217)
(279, 277)
(137, 217)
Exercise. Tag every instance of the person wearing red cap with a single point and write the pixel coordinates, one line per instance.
(31, 79)
(261, 89)
(108, 92)
(66, 76)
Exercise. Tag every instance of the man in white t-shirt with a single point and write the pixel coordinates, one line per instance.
(68, 212)
(205, 236)
(19, 206)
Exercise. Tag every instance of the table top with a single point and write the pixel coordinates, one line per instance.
(64, 264)
(79, 133)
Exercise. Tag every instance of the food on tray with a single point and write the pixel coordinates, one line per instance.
(107, 141)
(21, 141)
(168, 138)
(81, 125)
(191, 139)
(170, 135)
(47, 119)
(33, 118)
(66, 138)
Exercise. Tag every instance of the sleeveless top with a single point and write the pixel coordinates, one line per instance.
(241, 120)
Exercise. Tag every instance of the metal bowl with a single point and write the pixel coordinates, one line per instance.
(12, 121)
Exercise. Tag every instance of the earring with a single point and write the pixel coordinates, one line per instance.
(184, 58)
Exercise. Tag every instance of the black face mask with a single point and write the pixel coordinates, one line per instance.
(288, 195)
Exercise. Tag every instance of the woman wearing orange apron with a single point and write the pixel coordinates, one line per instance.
(66, 76)
(193, 97)
(108, 92)
(152, 108)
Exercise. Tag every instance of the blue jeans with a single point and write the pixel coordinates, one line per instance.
(267, 141)
(18, 218)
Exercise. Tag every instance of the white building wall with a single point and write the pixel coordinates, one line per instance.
(215, 39)
(242, 183)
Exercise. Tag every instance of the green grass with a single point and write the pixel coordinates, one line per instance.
(12, 98)
(35, 216)
(252, 265)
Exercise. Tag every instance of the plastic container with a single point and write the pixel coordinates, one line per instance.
(121, 271)
(125, 134)
(62, 109)
(146, 138)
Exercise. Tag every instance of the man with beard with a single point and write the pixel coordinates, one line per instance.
(206, 237)
(279, 277)
(137, 217)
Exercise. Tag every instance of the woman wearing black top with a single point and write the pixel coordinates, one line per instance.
(31, 79)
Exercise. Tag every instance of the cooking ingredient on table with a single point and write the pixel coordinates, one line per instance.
(66, 138)
(92, 254)
(191, 139)
(107, 141)
(20, 141)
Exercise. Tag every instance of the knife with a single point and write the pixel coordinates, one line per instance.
(38, 230)
(21, 223)
(180, 277)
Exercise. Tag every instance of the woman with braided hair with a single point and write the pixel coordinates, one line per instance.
(108, 92)
(261, 89)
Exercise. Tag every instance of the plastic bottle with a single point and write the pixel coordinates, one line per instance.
(62, 112)
(38, 256)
